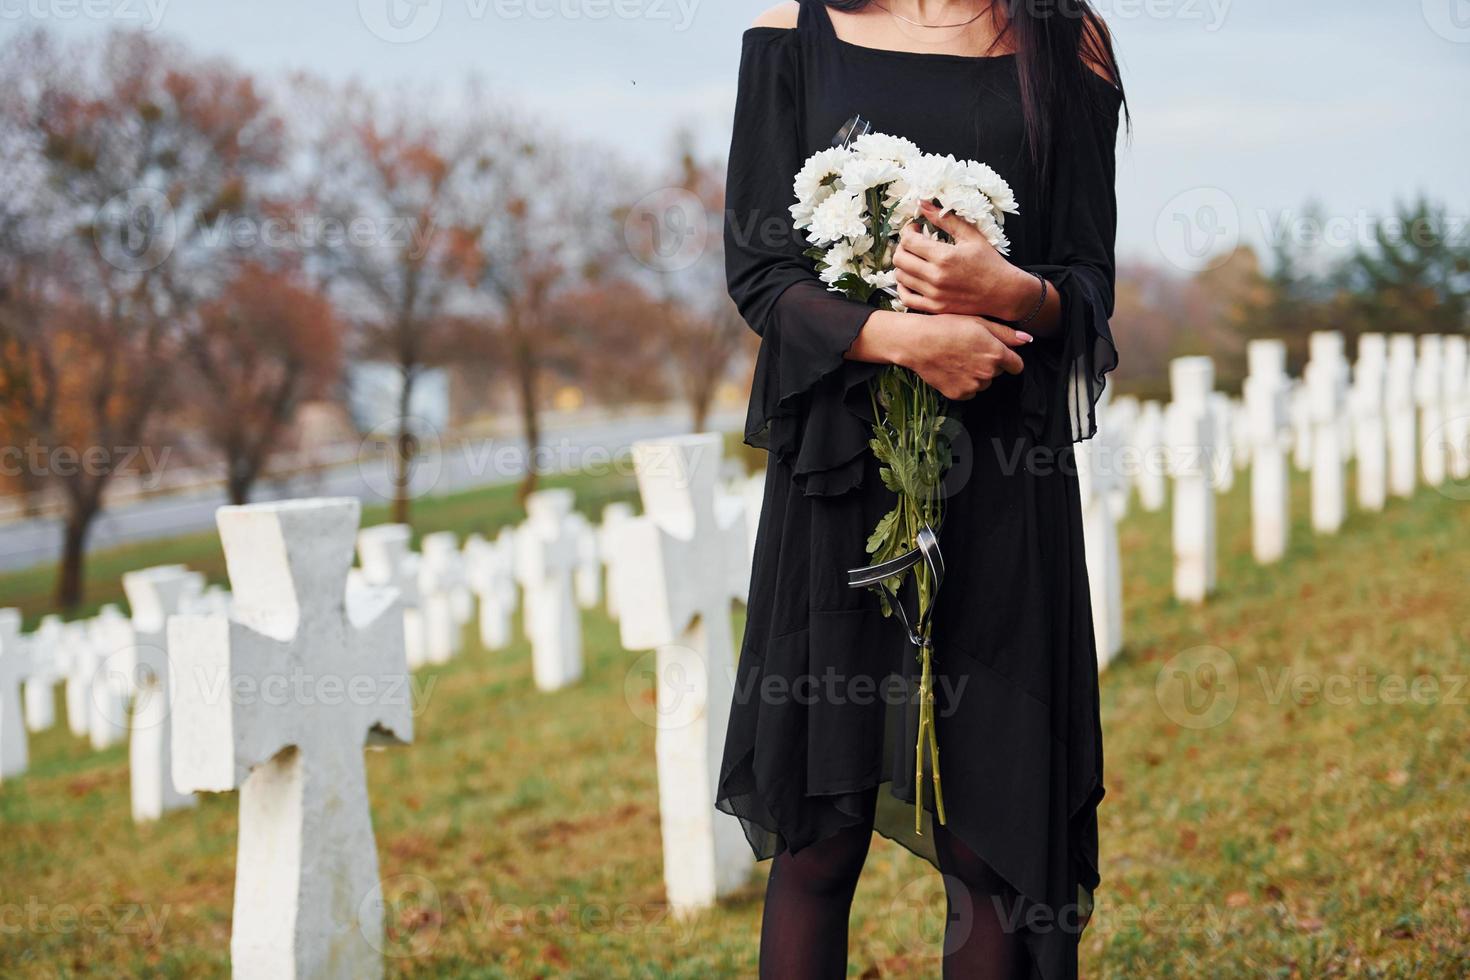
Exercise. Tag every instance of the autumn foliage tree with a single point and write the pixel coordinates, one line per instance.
(134, 149)
(260, 348)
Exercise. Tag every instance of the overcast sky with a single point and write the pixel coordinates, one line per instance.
(1243, 110)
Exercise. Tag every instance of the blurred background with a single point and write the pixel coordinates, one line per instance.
(436, 254)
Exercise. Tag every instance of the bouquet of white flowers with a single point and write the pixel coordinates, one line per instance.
(853, 202)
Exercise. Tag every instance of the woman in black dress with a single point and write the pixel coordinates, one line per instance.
(819, 751)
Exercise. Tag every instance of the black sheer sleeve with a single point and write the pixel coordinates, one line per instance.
(1059, 400)
(807, 402)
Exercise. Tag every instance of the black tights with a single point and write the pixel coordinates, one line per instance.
(809, 896)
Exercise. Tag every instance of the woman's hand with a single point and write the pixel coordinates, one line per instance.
(968, 277)
(959, 356)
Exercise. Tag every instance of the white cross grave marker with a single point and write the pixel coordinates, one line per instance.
(386, 554)
(1192, 437)
(1267, 390)
(443, 596)
(154, 594)
(546, 557)
(1123, 420)
(675, 568)
(1300, 408)
(40, 689)
(1399, 409)
(587, 578)
(308, 900)
(1429, 393)
(1327, 382)
(1370, 432)
(612, 515)
(490, 572)
(1457, 407)
(1148, 446)
(1098, 477)
(80, 662)
(1222, 461)
(112, 640)
(442, 550)
(14, 668)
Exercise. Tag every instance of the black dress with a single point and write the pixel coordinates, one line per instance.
(822, 710)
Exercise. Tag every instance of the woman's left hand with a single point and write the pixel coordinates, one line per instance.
(968, 277)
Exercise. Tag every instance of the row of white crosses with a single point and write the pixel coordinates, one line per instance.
(307, 895)
(1401, 412)
(555, 558)
(115, 675)
(154, 594)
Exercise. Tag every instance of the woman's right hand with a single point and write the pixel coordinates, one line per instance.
(959, 355)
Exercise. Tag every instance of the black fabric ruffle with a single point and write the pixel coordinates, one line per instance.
(809, 406)
(1066, 373)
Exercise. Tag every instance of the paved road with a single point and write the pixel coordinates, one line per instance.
(593, 447)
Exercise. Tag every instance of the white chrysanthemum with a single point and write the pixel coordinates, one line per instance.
(861, 174)
(802, 210)
(884, 147)
(840, 216)
(882, 280)
(989, 225)
(839, 261)
(810, 181)
(925, 177)
(992, 185)
(967, 202)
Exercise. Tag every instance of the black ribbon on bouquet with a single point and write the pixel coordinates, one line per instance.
(874, 577)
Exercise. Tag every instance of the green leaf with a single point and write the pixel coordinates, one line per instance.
(883, 531)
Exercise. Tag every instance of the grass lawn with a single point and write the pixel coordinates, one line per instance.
(1288, 790)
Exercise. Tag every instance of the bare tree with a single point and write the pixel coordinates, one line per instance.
(260, 348)
(674, 235)
(395, 180)
(548, 226)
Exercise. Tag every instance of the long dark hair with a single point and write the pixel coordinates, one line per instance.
(1057, 43)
